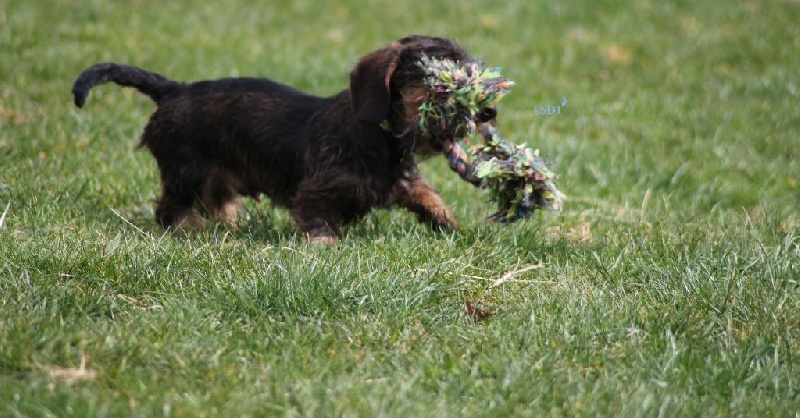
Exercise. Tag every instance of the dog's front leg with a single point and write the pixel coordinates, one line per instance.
(319, 230)
(317, 209)
(419, 197)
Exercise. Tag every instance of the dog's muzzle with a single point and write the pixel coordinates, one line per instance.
(486, 114)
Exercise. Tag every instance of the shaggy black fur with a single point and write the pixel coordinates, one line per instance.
(328, 160)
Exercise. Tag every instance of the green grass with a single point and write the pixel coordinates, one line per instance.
(668, 285)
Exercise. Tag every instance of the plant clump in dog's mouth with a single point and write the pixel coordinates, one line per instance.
(455, 94)
(518, 180)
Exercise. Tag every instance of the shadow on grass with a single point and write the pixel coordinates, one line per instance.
(264, 223)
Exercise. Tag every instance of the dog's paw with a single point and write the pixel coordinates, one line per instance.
(441, 217)
(325, 241)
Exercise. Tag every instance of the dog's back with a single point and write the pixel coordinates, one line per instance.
(222, 138)
(255, 128)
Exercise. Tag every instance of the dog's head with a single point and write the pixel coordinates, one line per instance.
(388, 86)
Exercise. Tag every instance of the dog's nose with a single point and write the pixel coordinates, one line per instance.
(486, 114)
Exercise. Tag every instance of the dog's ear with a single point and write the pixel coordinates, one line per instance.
(370, 92)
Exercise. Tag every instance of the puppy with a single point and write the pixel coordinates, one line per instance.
(328, 160)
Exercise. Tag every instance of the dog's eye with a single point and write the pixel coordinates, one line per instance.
(486, 114)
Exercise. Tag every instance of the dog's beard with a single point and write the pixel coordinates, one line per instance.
(420, 143)
(425, 144)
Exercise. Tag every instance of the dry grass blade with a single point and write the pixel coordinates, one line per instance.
(514, 273)
(71, 374)
(3, 216)
(139, 230)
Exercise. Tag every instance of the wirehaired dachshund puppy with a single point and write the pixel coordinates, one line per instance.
(328, 160)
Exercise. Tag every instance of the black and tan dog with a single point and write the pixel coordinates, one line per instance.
(328, 160)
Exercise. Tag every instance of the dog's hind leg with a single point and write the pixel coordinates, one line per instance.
(220, 197)
(181, 186)
(174, 211)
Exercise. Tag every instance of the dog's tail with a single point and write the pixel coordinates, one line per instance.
(151, 84)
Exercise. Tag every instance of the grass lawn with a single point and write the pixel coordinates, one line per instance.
(668, 286)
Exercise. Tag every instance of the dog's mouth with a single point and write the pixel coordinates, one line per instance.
(458, 98)
(424, 143)
(437, 141)
(455, 99)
